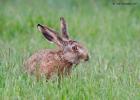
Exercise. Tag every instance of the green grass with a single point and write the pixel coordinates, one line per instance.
(110, 32)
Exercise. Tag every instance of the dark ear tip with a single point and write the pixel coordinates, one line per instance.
(61, 18)
(39, 25)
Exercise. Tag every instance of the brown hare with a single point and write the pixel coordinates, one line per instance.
(60, 61)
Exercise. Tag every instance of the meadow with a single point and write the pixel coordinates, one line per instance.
(110, 32)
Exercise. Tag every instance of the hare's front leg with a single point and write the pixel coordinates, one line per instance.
(65, 72)
(49, 72)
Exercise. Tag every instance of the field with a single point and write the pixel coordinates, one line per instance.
(110, 32)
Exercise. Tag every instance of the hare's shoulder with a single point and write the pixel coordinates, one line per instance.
(47, 51)
(44, 51)
(46, 54)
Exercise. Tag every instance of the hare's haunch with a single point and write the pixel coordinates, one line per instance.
(59, 61)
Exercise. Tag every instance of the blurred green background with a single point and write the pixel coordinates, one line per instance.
(111, 32)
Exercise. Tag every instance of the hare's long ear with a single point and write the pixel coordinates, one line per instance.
(64, 28)
(50, 34)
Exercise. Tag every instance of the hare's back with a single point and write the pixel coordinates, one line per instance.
(40, 57)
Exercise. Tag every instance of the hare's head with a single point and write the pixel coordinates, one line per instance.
(73, 51)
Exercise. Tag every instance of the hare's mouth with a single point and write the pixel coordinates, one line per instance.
(87, 58)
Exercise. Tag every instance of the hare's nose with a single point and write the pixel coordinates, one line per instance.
(87, 58)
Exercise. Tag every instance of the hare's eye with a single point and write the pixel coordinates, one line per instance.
(74, 48)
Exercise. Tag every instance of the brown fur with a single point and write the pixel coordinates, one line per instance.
(49, 62)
